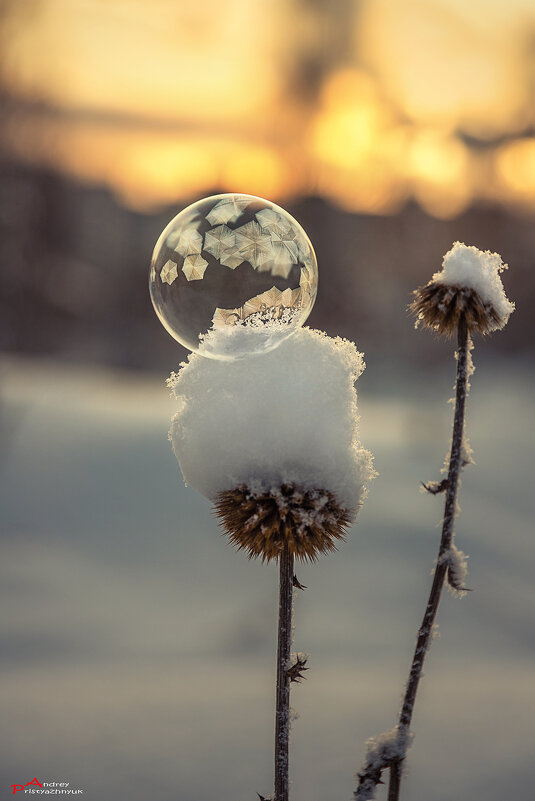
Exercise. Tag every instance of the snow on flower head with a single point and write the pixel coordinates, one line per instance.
(470, 285)
(272, 440)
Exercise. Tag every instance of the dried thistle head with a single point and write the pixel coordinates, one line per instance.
(261, 522)
(468, 286)
(440, 306)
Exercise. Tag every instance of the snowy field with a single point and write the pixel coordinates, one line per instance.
(138, 647)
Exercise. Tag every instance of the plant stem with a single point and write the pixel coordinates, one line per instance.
(450, 508)
(282, 711)
(395, 780)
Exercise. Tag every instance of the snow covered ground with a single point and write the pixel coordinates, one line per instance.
(138, 647)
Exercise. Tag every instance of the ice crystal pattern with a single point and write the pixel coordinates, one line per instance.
(218, 240)
(169, 272)
(194, 267)
(226, 247)
(228, 209)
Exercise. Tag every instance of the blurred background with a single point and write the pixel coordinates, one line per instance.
(389, 129)
(138, 648)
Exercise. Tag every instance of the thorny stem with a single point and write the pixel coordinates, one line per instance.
(371, 774)
(450, 509)
(282, 710)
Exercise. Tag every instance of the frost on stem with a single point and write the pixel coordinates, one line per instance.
(469, 285)
(457, 570)
(466, 458)
(467, 453)
(381, 752)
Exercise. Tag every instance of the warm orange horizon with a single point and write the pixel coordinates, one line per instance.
(388, 102)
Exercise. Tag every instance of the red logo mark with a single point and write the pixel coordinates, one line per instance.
(18, 787)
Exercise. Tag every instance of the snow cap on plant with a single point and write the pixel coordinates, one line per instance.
(470, 285)
(272, 441)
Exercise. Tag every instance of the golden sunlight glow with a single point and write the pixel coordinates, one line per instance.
(515, 166)
(159, 171)
(351, 118)
(438, 163)
(162, 100)
(186, 61)
(357, 145)
(148, 168)
(259, 169)
(446, 68)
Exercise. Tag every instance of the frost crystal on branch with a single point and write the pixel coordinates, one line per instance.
(457, 564)
(468, 285)
(381, 752)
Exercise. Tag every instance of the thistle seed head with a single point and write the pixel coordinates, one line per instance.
(440, 306)
(261, 522)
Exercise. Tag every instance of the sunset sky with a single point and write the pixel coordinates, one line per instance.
(368, 103)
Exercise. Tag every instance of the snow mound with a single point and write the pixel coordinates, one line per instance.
(284, 417)
(466, 266)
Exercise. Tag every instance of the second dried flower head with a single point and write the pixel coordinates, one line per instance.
(469, 285)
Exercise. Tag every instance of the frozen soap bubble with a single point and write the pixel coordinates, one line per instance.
(233, 275)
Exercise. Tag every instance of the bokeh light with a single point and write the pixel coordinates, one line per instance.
(372, 104)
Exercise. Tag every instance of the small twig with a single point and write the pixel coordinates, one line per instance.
(282, 711)
(436, 487)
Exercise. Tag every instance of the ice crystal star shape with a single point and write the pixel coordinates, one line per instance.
(285, 253)
(194, 267)
(169, 273)
(228, 209)
(253, 243)
(219, 240)
(272, 222)
(189, 243)
(231, 258)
